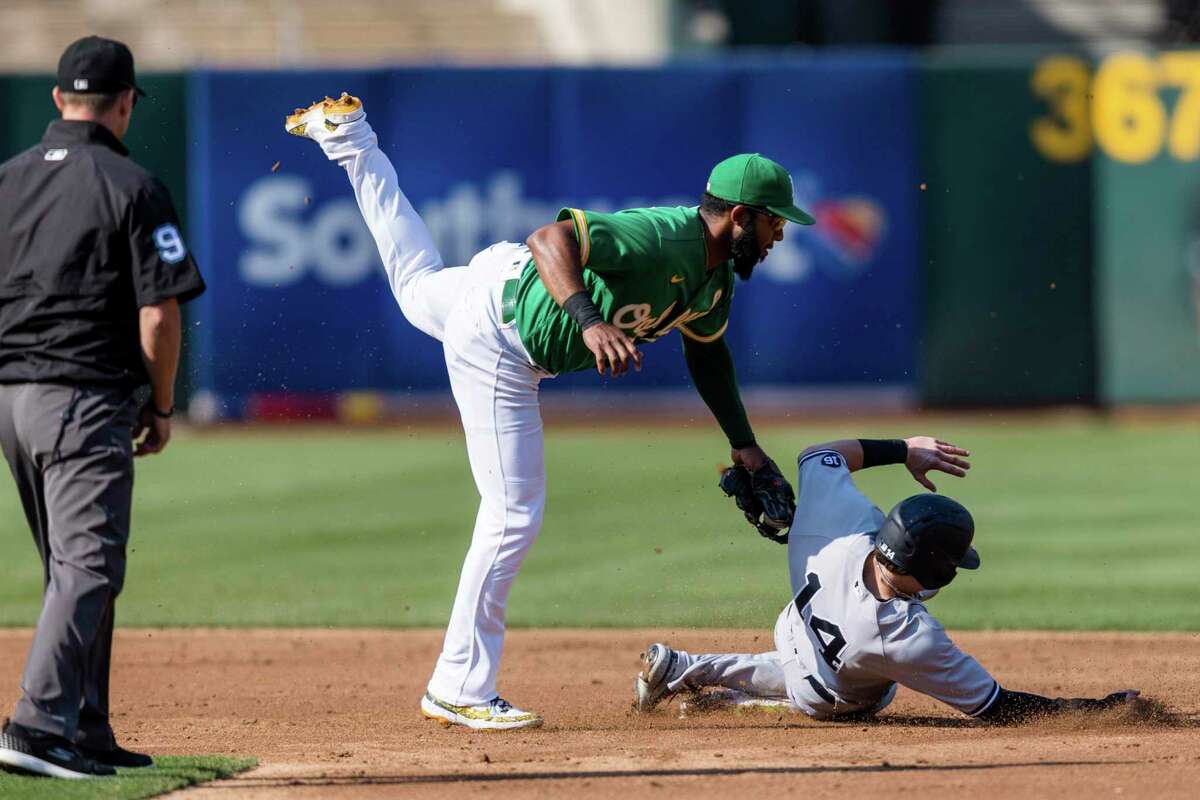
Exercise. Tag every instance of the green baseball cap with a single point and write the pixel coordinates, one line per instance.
(751, 179)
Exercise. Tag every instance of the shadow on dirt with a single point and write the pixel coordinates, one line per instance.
(483, 777)
(913, 721)
(1139, 713)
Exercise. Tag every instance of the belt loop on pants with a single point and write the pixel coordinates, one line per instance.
(508, 301)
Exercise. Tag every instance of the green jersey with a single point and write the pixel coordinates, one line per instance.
(644, 269)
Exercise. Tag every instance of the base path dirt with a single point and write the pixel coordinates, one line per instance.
(333, 713)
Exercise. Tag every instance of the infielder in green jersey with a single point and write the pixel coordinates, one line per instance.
(584, 293)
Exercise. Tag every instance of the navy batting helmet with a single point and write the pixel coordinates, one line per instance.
(928, 536)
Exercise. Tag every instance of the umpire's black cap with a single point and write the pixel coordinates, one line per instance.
(95, 65)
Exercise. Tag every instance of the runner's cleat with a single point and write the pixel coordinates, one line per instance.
(325, 114)
(651, 685)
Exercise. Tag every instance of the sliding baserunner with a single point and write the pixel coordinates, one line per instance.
(857, 625)
(583, 292)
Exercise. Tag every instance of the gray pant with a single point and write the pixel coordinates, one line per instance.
(759, 674)
(71, 454)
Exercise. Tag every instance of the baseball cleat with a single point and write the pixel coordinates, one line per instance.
(497, 715)
(652, 682)
(325, 114)
(33, 752)
(118, 756)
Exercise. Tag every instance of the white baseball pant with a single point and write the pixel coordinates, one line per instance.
(495, 384)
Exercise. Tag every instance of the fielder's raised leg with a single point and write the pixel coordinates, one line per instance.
(495, 386)
(581, 294)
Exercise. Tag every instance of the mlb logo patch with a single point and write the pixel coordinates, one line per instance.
(831, 460)
(81, 84)
(57, 154)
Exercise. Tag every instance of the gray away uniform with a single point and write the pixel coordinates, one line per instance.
(839, 650)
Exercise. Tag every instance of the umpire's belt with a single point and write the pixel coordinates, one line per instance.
(508, 301)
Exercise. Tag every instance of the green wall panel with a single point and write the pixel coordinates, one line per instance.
(1148, 281)
(1008, 294)
(28, 109)
(1147, 219)
(156, 139)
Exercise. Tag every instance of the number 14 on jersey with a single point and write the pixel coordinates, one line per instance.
(829, 637)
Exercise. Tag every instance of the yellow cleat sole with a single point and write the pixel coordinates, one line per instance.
(333, 113)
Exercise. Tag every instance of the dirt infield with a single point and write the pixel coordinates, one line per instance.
(332, 713)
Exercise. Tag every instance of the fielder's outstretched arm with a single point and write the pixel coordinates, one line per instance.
(711, 366)
(712, 371)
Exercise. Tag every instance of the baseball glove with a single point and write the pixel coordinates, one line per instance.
(765, 497)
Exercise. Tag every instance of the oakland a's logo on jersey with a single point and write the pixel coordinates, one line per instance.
(639, 318)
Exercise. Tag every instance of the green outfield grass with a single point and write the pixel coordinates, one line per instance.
(168, 774)
(1082, 524)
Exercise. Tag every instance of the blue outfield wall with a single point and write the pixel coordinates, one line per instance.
(297, 300)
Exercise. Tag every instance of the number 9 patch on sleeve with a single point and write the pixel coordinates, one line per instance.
(170, 244)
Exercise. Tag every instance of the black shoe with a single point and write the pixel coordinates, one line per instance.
(32, 751)
(117, 757)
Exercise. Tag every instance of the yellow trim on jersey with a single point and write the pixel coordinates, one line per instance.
(581, 233)
(705, 339)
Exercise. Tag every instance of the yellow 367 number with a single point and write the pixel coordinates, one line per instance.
(1121, 109)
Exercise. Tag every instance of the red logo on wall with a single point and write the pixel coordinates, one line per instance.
(853, 226)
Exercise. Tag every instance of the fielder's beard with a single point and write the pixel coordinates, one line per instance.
(746, 251)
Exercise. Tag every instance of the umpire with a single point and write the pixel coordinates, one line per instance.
(92, 272)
